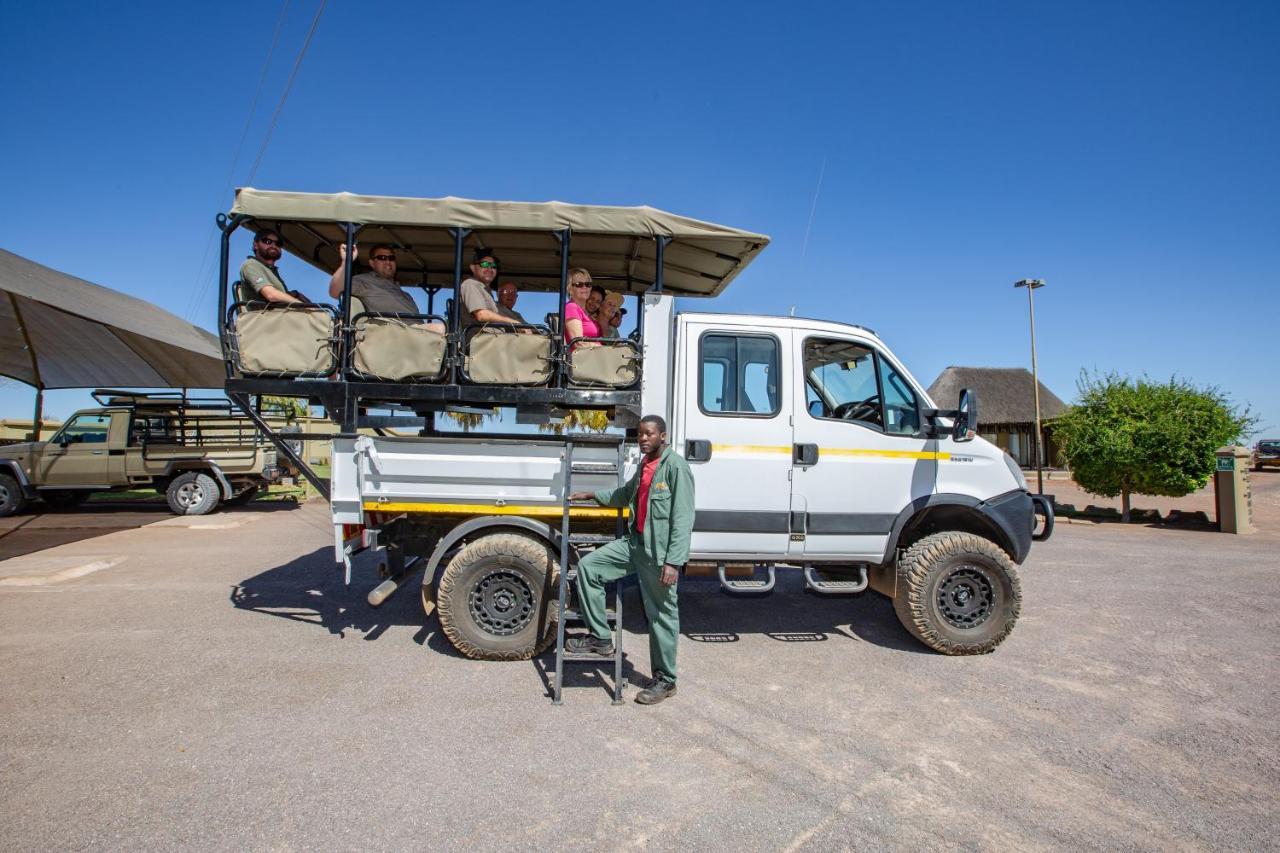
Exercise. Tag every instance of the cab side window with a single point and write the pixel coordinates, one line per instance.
(86, 429)
(847, 381)
(738, 375)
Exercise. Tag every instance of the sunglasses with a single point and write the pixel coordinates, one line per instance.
(384, 257)
(269, 241)
(579, 284)
(488, 265)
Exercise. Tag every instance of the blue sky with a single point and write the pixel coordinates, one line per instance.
(1123, 152)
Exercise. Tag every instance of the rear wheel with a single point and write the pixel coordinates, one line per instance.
(958, 593)
(494, 598)
(192, 493)
(12, 500)
(64, 499)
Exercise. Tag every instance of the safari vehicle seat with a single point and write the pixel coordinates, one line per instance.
(273, 339)
(615, 363)
(500, 355)
(394, 349)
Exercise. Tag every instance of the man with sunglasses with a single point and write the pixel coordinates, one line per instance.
(377, 290)
(259, 270)
(478, 307)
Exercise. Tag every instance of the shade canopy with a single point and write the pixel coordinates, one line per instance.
(59, 331)
(616, 244)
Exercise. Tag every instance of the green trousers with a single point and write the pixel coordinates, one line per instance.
(617, 560)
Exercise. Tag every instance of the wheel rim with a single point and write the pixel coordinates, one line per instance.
(502, 603)
(4, 494)
(189, 495)
(966, 598)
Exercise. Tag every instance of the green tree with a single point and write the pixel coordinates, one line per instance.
(1144, 437)
(291, 407)
(584, 420)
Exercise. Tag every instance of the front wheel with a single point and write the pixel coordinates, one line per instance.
(192, 493)
(958, 593)
(494, 598)
(12, 500)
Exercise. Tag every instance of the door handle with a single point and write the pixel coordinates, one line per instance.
(804, 454)
(697, 450)
(97, 452)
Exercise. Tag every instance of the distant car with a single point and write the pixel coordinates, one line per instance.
(1266, 453)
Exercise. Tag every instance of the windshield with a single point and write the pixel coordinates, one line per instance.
(1269, 446)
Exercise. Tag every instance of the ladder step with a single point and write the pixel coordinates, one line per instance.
(590, 538)
(571, 615)
(595, 467)
(569, 657)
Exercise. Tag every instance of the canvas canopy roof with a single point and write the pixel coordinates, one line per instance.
(615, 243)
(59, 331)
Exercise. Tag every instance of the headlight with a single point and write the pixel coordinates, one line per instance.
(1015, 471)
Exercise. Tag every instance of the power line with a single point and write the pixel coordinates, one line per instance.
(275, 117)
(202, 282)
(804, 247)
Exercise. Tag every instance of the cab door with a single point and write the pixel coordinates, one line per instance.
(78, 455)
(861, 455)
(734, 430)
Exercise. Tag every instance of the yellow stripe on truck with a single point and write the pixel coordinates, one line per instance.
(535, 510)
(769, 449)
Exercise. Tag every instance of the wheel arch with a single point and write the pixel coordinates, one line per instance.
(962, 513)
(11, 467)
(486, 525)
(182, 466)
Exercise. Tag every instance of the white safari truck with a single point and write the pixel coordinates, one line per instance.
(813, 448)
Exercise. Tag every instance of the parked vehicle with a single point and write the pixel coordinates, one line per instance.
(812, 446)
(1266, 453)
(195, 452)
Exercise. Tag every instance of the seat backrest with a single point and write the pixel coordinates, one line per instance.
(357, 307)
(501, 359)
(612, 364)
(292, 341)
(553, 323)
(392, 350)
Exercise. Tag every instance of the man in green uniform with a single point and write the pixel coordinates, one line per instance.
(260, 273)
(660, 497)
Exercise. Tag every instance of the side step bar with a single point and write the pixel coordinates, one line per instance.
(747, 587)
(833, 587)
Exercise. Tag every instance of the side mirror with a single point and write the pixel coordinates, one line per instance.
(965, 427)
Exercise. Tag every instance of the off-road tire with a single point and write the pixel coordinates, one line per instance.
(64, 498)
(12, 500)
(948, 579)
(192, 493)
(514, 618)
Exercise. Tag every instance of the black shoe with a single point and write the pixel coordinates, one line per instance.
(589, 645)
(655, 691)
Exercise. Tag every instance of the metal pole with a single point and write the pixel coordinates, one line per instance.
(564, 236)
(455, 318)
(36, 422)
(1031, 285)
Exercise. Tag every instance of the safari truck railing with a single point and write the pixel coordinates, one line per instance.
(631, 250)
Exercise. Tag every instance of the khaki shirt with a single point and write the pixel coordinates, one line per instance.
(258, 275)
(510, 313)
(381, 295)
(474, 296)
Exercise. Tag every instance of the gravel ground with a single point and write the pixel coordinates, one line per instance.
(221, 689)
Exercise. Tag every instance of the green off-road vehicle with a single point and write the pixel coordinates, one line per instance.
(195, 452)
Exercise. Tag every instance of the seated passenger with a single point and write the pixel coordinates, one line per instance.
(478, 307)
(378, 290)
(578, 322)
(594, 301)
(259, 271)
(507, 294)
(608, 313)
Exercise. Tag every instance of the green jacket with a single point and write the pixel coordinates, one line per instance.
(669, 516)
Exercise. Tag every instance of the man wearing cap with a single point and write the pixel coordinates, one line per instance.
(507, 293)
(478, 307)
(259, 270)
(660, 498)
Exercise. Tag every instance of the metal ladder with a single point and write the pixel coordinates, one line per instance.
(580, 544)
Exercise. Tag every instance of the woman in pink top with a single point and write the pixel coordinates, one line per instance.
(578, 322)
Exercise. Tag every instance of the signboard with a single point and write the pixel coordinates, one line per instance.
(1226, 463)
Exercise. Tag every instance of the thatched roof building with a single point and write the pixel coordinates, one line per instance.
(1004, 394)
(1006, 408)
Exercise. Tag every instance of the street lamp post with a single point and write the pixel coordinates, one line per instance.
(1031, 284)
